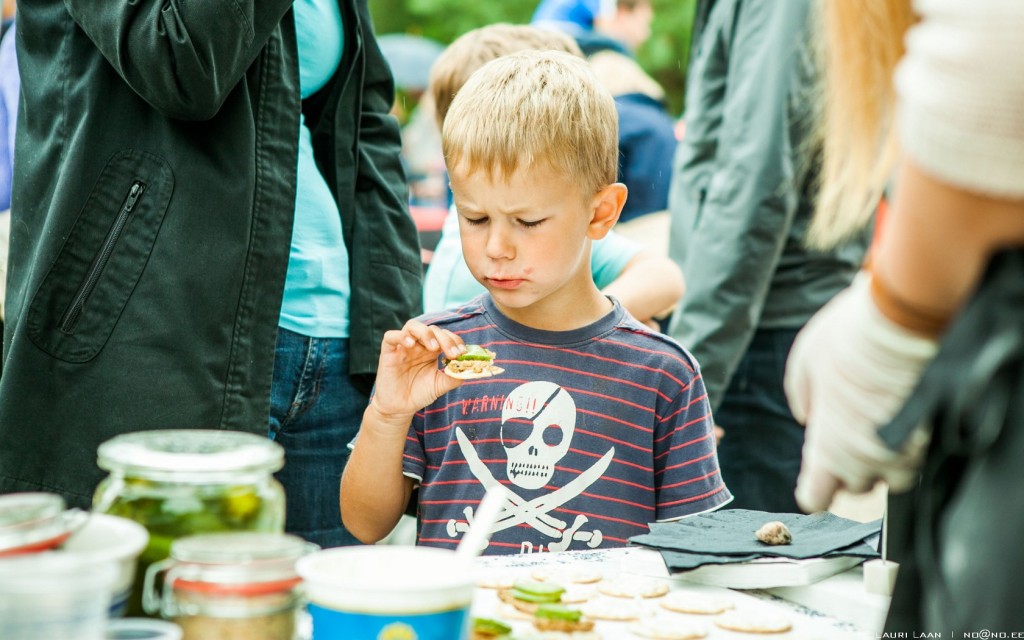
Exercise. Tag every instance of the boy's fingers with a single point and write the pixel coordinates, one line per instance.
(393, 338)
(426, 336)
(449, 343)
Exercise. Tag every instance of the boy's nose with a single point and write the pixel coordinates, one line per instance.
(499, 245)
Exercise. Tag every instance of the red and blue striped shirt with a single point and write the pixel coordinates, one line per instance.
(592, 434)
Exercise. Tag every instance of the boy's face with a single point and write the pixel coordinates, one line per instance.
(526, 239)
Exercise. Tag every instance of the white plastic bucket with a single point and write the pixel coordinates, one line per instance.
(386, 591)
(54, 596)
(111, 539)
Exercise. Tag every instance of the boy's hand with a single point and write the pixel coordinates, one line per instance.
(408, 377)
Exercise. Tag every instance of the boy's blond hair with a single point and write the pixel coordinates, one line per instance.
(476, 48)
(534, 109)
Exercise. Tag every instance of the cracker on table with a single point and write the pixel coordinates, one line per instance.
(506, 611)
(663, 629)
(633, 587)
(567, 574)
(749, 621)
(693, 602)
(577, 593)
(612, 609)
(561, 635)
(564, 626)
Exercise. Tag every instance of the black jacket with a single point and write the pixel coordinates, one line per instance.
(152, 210)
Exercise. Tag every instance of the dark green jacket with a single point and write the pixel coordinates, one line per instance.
(153, 203)
(744, 186)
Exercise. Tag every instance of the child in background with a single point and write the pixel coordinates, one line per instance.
(645, 283)
(598, 425)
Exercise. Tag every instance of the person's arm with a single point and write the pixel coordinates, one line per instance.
(855, 363)
(182, 58)
(936, 243)
(958, 198)
(374, 491)
(734, 233)
(648, 286)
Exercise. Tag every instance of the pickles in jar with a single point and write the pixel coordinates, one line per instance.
(170, 511)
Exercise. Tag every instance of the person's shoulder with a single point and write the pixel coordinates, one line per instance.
(653, 348)
(457, 317)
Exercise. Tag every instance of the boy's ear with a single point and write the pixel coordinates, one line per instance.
(606, 206)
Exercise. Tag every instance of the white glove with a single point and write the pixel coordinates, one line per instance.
(849, 371)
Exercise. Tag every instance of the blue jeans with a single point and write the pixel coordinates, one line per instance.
(315, 411)
(760, 453)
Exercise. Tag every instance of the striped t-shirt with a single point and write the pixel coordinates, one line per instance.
(592, 433)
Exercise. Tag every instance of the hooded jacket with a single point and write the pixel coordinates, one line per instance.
(744, 187)
(152, 210)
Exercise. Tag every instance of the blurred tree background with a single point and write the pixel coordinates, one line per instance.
(664, 55)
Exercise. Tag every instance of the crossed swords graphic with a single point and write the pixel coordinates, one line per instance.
(534, 512)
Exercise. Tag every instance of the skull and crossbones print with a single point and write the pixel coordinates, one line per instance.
(538, 421)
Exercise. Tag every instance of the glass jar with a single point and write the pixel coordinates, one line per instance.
(35, 521)
(230, 586)
(182, 482)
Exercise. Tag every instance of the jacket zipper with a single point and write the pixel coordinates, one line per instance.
(74, 310)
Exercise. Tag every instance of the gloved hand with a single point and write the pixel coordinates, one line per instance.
(849, 371)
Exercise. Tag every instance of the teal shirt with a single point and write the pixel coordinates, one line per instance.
(316, 290)
(449, 283)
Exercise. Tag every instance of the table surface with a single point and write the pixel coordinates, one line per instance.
(852, 614)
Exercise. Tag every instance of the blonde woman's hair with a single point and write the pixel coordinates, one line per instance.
(535, 109)
(862, 40)
(476, 48)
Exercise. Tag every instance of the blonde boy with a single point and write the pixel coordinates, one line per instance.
(645, 283)
(598, 425)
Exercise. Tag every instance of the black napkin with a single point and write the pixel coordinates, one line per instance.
(677, 561)
(727, 536)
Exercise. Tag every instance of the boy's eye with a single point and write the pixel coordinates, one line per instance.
(531, 223)
(474, 221)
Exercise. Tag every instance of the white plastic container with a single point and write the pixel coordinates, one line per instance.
(32, 522)
(111, 539)
(54, 596)
(388, 592)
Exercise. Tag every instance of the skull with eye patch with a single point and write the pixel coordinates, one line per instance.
(537, 423)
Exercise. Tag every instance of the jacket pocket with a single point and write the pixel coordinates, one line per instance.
(86, 289)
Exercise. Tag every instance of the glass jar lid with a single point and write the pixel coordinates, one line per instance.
(239, 562)
(171, 454)
(31, 522)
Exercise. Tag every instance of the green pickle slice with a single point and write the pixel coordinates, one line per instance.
(537, 591)
(490, 627)
(476, 352)
(558, 611)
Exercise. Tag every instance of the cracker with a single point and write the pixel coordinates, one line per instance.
(633, 587)
(754, 621)
(492, 580)
(612, 609)
(699, 603)
(506, 611)
(566, 575)
(505, 595)
(661, 629)
(577, 593)
(560, 635)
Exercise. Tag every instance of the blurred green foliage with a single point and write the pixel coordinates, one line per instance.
(664, 56)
